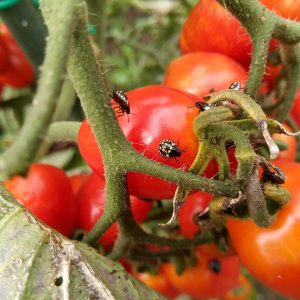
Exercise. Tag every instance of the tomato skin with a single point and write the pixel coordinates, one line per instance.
(91, 199)
(210, 27)
(159, 283)
(18, 72)
(159, 113)
(284, 8)
(199, 72)
(200, 281)
(272, 254)
(200, 32)
(4, 56)
(295, 110)
(47, 193)
(194, 203)
(77, 181)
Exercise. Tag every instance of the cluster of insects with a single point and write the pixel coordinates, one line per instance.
(167, 148)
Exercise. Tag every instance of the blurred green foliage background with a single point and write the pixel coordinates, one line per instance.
(141, 37)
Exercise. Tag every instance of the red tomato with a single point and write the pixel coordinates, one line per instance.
(201, 32)
(159, 113)
(291, 141)
(199, 72)
(213, 276)
(159, 283)
(4, 56)
(91, 199)
(18, 73)
(271, 74)
(47, 193)
(272, 254)
(210, 27)
(77, 181)
(295, 110)
(285, 8)
(241, 292)
(194, 204)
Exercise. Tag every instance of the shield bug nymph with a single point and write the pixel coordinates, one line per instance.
(122, 102)
(169, 149)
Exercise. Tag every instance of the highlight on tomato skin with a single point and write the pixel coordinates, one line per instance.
(159, 113)
(91, 202)
(272, 254)
(46, 192)
(205, 280)
(200, 72)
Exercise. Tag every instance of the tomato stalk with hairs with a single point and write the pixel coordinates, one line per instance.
(91, 201)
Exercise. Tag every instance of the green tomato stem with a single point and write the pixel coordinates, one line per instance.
(22, 152)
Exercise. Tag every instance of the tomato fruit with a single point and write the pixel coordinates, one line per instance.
(18, 72)
(77, 181)
(285, 8)
(159, 283)
(210, 27)
(91, 199)
(159, 113)
(295, 110)
(272, 254)
(213, 275)
(193, 205)
(4, 55)
(201, 32)
(291, 141)
(199, 72)
(47, 193)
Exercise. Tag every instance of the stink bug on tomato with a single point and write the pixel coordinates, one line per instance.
(169, 149)
(202, 106)
(235, 86)
(122, 102)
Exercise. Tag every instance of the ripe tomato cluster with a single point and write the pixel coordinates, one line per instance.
(158, 122)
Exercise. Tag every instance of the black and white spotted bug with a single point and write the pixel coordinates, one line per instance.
(169, 149)
(122, 102)
(277, 177)
(235, 86)
(202, 106)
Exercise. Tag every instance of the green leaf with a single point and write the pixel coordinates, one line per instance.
(39, 263)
